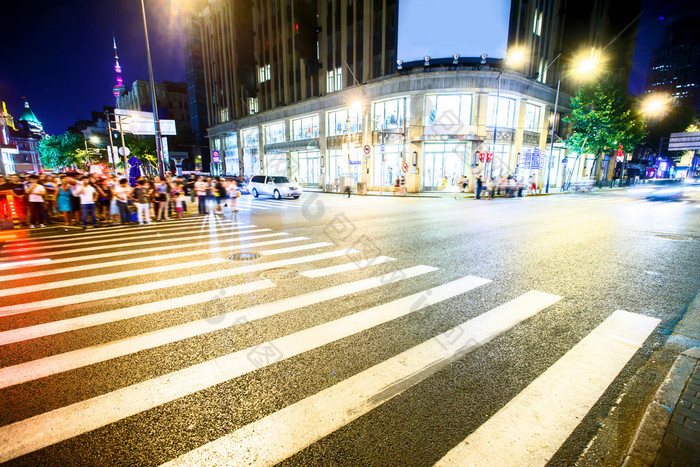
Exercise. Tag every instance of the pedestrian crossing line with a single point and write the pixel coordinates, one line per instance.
(105, 237)
(68, 251)
(279, 435)
(292, 249)
(115, 229)
(20, 264)
(59, 363)
(81, 322)
(159, 235)
(347, 267)
(531, 427)
(196, 245)
(26, 436)
(149, 259)
(110, 277)
(11, 310)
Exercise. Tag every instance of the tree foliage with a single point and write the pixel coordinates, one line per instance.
(604, 116)
(62, 151)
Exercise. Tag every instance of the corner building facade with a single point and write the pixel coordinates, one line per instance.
(313, 90)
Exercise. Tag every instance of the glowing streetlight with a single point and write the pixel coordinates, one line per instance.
(587, 63)
(516, 57)
(655, 105)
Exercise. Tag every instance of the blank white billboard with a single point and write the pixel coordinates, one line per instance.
(441, 28)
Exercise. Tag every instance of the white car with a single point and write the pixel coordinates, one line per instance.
(275, 186)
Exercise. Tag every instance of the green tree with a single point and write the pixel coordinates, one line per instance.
(62, 151)
(603, 117)
(144, 148)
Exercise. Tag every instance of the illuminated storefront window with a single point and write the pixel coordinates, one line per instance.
(506, 112)
(232, 158)
(532, 117)
(275, 133)
(251, 162)
(309, 167)
(389, 115)
(448, 109)
(338, 122)
(305, 128)
(443, 164)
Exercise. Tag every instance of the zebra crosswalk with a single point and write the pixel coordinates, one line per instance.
(293, 298)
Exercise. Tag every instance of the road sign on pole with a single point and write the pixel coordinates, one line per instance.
(367, 149)
(404, 167)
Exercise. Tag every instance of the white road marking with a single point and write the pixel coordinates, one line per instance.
(31, 434)
(276, 437)
(347, 267)
(96, 319)
(156, 258)
(19, 264)
(10, 310)
(128, 242)
(122, 229)
(291, 249)
(532, 426)
(175, 246)
(136, 233)
(110, 277)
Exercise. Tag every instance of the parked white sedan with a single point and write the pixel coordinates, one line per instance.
(275, 186)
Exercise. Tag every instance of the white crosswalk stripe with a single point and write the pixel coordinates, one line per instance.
(335, 294)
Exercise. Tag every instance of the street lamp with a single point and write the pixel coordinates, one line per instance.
(156, 123)
(585, 65)
(94, 140)
(655, 105)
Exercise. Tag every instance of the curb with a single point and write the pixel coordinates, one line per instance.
(647, 442)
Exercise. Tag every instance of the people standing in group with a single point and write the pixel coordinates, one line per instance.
(491, 187)
(219, 194)
(179, 198)
(200, 188)
(87, 194)
(479, 186)
(19, 195)
(75, 200)
(50, 197)
(142, 198)
(162, 198)
(36, 194)
(63, 199)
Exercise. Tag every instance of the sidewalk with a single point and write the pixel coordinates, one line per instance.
(669, 434)
(441, 194)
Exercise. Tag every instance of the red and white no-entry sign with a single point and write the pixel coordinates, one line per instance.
(367, 149)
(404, 167)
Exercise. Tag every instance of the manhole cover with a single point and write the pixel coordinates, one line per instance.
(674, 237)
(280, 274)
(244, 256)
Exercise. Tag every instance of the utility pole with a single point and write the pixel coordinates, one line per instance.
(156, 123)
(111, 142)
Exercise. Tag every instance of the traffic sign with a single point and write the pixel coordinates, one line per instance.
(124, 151)
(382, 148)
(215, 156)
(367, 149)
(404, 167)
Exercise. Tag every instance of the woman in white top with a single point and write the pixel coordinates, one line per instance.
(37, 210)
(86, 192)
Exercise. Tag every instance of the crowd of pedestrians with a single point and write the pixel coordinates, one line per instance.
(490, 187)
(104, 200)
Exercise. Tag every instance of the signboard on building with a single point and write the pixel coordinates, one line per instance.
(531, 159)
(685, 141)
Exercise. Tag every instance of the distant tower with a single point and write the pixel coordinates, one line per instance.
(119, 89)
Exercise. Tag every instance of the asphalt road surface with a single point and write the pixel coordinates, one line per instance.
(335, 331)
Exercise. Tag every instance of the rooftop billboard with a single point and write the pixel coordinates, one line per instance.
(442, 28)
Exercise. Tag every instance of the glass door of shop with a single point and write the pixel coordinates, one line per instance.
(385, 173)
(442, 169)
(309, 168)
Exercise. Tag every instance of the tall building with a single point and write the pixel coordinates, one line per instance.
(20, 141)
(321, 90)
(173, 101)
(674, 67)
(196, 87)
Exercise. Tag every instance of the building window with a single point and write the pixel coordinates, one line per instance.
(335, 80)
(274, 133)
(506, 112)
(264, 73)
(448, 109)
(305, 128)
(252, 105)
(537, 23)
(532, 117)
(343, 122)
(389, 115)
(331, 82)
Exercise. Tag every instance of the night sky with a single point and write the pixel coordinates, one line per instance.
(59, 54)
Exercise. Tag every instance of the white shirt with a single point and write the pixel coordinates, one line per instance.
(121, 192)
(37, 194)
(87, 195)
(200, 188)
